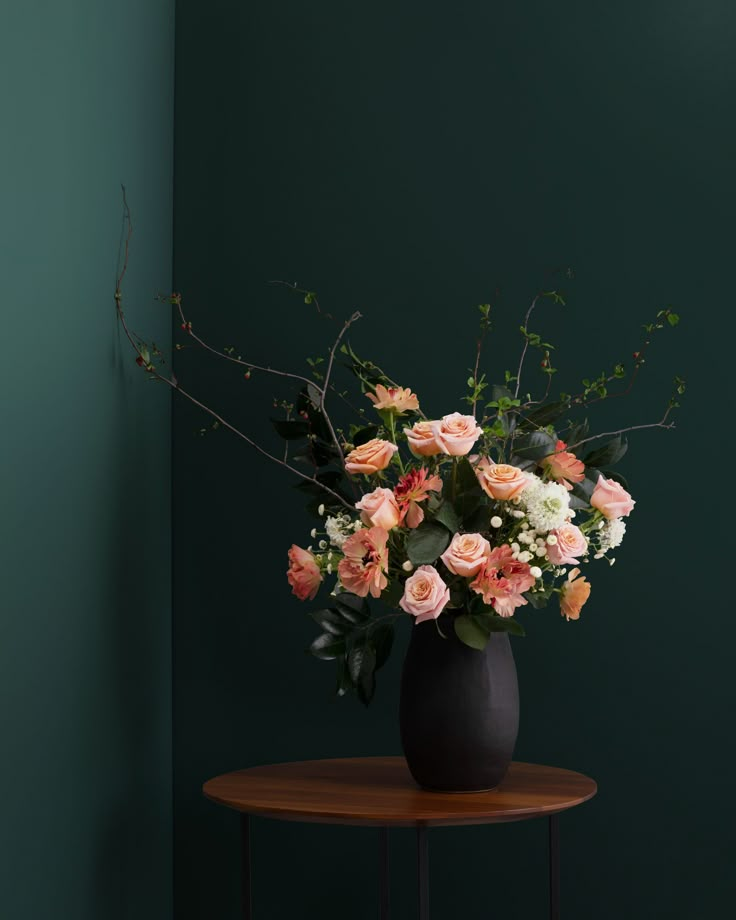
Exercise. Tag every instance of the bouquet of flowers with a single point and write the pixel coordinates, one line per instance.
(461, 519)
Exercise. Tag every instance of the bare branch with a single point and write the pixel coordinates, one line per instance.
(348, 323)
(526, 343)
(605, 434)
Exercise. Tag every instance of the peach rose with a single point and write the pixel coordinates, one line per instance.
(394, 399)
(366, 562)
(500, 480)
(370, 457)
(379, 509)
(303, 574)
(570, 543)
(564, 466)
(425, 594)
(421, 440)
(611, 499)
(467, 554)
(456, 434)
(575, 592)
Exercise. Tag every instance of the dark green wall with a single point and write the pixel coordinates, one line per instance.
(409, 159)
(86, 96)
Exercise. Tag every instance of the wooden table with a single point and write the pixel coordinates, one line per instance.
(379, 792)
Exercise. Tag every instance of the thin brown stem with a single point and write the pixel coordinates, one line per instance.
(526, 343)
(348, 323)
(604, 434)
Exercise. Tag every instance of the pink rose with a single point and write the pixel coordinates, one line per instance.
(421, 440)
(366, 562)
(455, 434)
(611, 499)
(564, 466)
(370, 457)
(379, 509)
(570, 543)
(425, 594)
(573, 595)
(500, 480)
(394, 399)
(303, 574)
(467, 553)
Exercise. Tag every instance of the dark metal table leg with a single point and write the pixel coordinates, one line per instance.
(554, 867)
(383, 871)
(423, 870)
(245, 878)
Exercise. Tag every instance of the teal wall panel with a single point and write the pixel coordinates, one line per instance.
(86, 103)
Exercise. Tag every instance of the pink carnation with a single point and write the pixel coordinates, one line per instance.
(412, 488)
(503, 580)
(303, 574)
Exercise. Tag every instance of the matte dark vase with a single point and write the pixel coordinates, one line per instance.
(459, 709)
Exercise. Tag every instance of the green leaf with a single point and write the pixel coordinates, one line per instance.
(427, 542)
(290, 430)
(381, 637)
(448, 516)
(353, 608)
(673, 319)
(468, 631)
(362, 670)
(331, 621)
(477, 520)
(494, 623)
(364, 435)
(544, 415)
(342, 678)
(535, 445)
(393, 593)
(610, 452)
(327, 646)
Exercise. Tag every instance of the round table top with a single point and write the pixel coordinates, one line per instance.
(380, 791)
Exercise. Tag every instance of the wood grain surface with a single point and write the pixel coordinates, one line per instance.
(379, 791)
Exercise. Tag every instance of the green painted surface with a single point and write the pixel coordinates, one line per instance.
(407, 159)
(86, 96)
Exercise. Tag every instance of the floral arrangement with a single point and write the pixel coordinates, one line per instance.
(461, 519)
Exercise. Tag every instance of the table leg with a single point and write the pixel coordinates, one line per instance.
(423, 870)
(554, 867)
(383, 869)
(245, 877)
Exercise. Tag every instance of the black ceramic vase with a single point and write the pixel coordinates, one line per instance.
(459, 709)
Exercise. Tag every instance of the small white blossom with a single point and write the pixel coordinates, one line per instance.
(598, 556)
(541, 551)
(496, 521)
(518, 514)
(313, 532)
(611, 561)
(321, 510)
(612, 534)
(525, 556)
(525, 526)
(551, 539)
(407, 566)
(323, 544)
(535, 571)
(515, 547)
(329, 568)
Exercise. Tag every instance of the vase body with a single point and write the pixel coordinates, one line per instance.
(459, 709)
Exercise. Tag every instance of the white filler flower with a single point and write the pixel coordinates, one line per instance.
(547, 504)
(612, 534)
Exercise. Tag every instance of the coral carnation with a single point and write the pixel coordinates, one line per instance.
(366, 560)
(303, 574)
(411, 489)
